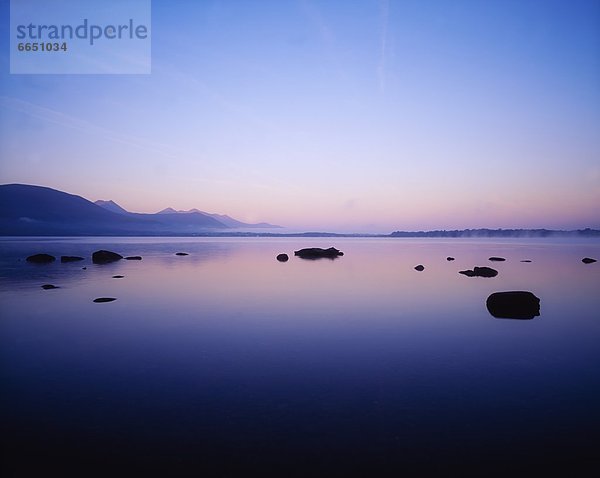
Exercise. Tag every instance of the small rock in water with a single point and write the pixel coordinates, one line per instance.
(117, 277)
(420, 267)
(70, 258)
(104, 257)
(104, 299)
(181, 254)
(317, 253)
(513, 305)
(41, 258)
(525, 260)
(84, 268)
(480, 272)
(133, 258)
(50, 286)
(449, 258)
(282, 257)
(497, 259)
(588, 260)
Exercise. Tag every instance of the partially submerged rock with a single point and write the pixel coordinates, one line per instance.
(133, 258)
(317, 253)
(41, 258)
(513, 305)
(526, 260)
(497, 259)
(420, 267)
(70, 258)
(588, 260)
(480, 272)
(118, 277)
(104, 299)
(181, 254)
(104, 257)
(282, 257)
(50, 287)
(449, 258)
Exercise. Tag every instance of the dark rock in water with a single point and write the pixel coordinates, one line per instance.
(41, 258)
(84, 268)
(50, 286)
(181, 254)
(497, 259)
(70, 258)
(480, 272)
(104, 257)
(104, 299)
(117, 277)
(513, 305)
(525, 260)
(449, 258)
(588, 260)
(317, 253)
(420, 267)
(133, 258)
(282, 257)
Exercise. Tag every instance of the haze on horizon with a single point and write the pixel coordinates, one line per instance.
(363, 116)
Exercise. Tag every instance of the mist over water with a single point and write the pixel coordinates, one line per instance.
(226, 361)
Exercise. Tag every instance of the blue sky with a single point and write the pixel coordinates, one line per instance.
(361, 115)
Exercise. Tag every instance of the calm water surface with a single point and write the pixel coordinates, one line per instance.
(226, 362)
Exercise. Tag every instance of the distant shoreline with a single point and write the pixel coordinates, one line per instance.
(463, 233)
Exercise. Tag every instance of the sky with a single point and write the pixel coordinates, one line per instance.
(363, 115)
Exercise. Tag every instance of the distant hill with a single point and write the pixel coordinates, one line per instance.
(222, 218)
(111, 206)
(37, 210)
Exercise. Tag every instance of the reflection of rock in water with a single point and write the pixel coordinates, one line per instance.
(41, 258)
(317, 253)
(480, 272)
(513, 305)
(104, 257)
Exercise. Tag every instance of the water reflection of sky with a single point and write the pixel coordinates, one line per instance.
(358, 353)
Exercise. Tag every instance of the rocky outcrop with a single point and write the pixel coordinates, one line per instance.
(318, 253)
(104, 257)
(70, 258)
(41, 258)
(513, 305)
(282, 257)
(104, 299)
(480, 272)
(50, 287)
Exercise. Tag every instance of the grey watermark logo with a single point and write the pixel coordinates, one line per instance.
(80, 36)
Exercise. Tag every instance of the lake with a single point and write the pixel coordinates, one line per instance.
(226, 362)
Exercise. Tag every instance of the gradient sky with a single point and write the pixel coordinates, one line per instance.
(331, 115)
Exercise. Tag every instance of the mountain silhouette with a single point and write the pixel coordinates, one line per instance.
(37, 210)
